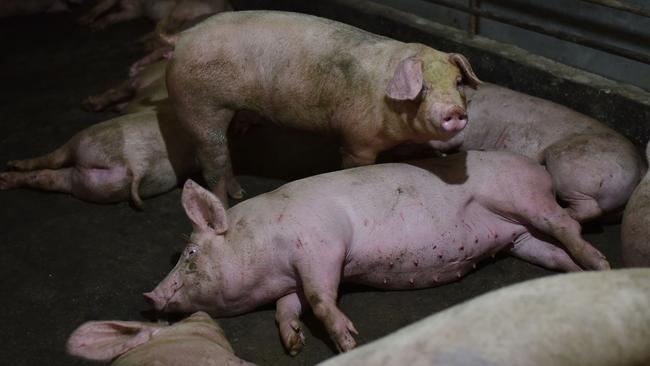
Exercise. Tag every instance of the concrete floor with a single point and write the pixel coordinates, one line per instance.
(65, 261)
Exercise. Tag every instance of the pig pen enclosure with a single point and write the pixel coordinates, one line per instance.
(65, 261)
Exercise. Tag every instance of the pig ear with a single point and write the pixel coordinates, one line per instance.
(406, 83)
(469, 78)
(203, 208)
(105, 340)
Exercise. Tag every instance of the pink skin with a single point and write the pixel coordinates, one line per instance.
(635, 228)
(390, 226)
(129, 157)
(594, 169)
(191, 341)
(312, 74)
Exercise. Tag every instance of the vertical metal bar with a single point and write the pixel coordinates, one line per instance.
(472, 26)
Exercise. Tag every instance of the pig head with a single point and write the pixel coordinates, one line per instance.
(192, 341)
(434, 81)
(201, 278)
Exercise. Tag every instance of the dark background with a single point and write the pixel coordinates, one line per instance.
(65, 261)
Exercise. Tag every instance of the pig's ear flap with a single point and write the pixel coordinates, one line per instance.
(469, 77)
(204, 209)
(406, 83)
(105, 340)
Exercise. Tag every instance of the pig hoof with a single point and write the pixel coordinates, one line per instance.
(345, 341)
(293, 337)
(235, 190)
(91, 104)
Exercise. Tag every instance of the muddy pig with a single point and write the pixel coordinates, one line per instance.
(391, 226)
(635, 228)
(196, 340)
(596, 319)
(132, 156)
(594, 168)
(313, 74)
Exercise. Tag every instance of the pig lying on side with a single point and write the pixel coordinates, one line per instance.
(173, 14)
(595, 319)
(140, 92)
(196, 340)
(10, 8)
(136, 155)
(594, 168)
(391, 226)
(313, 74)
(635, 229)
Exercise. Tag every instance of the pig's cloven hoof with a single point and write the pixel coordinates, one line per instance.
(295, 339)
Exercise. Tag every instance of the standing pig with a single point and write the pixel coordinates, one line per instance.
(313, 74)
(595, 319)
(635, 229)
(594, 169)
(391, 226)
(196, 340)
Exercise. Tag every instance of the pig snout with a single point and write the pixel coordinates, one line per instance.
(454, 119)
(164, 296)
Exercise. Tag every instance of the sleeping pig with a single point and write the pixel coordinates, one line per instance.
(390, 226)
(595, 319)
(635, 228)
(594, 168)
(313, 74)
(132, 156)
(172, 14)
(196, 340)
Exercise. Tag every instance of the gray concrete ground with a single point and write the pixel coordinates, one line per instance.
(65, 261)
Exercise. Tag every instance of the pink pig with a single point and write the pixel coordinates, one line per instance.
(390, 226)
(313, 74)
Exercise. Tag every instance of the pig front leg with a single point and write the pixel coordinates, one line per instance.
(320, 274)
(122, 93)
(125, 14)
(287, 316)
(542, 253)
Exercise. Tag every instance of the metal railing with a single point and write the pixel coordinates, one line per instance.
(475, 13)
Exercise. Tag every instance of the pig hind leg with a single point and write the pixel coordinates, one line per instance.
(54, 160)
(550, 219)
(208, 123)
(289, 308)
(320, 275)
(542, 253)
(88, 184)
(46, 179)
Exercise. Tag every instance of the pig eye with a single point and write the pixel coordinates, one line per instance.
(192, 250)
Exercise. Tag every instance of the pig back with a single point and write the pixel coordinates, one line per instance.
(301, 70)
(591, 318)
(503, 119)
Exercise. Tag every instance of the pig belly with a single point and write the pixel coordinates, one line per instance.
(418, 250)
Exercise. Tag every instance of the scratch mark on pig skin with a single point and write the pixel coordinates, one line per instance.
(365, 222)
(280, 218)
(299, 243)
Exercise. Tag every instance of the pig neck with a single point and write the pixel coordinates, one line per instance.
(256, 276)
